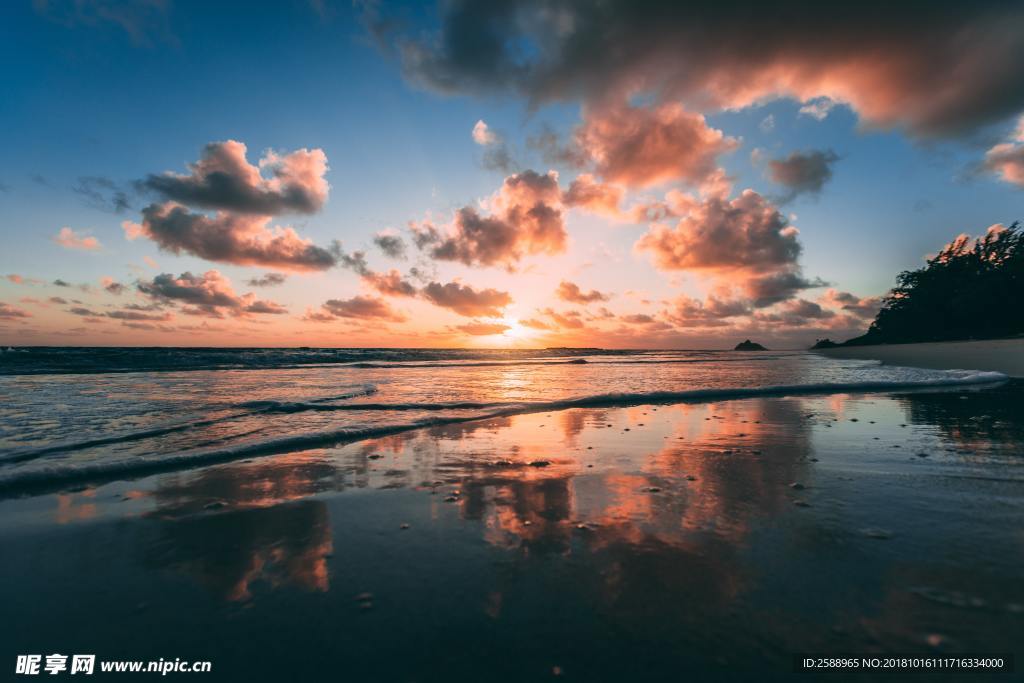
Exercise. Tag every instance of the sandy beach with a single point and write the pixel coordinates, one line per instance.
(588, 544)
(1002, 355)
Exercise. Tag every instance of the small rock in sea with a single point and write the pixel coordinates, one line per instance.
(922, 455)
(451, 499)
(652, 489)
(640, 424)
(756, 452)
(880, 534)
(727, 451)
(875, 438)
(903, 425)
(853, 419)
(896, 445)
(590, 448)
(540, 463)
(690, 477)
(527, 523)
(456, 492)
(216, 505)
(589, 465)
(374, 456)
(582, 527)
(626, 429)
(801, 503)
(871, 422)
(757, 422)
(363, 597)
(403, 526)
(813, 459)
(797, 486)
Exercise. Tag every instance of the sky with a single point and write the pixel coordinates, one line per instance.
(492, 174)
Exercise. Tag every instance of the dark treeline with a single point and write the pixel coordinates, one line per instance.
(972, 289)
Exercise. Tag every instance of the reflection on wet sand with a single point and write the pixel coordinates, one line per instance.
(730, 533)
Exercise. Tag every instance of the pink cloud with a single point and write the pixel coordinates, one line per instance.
(571, 292)
(465, 300)
(69, 239)
(525, 218)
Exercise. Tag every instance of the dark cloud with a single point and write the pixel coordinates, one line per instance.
(465, 300)
(893, 63)
(223, 179)
(802, 172)
(103, 194)
(268, 280)
(770, 289)
(207, 294)
(392, 245)
(230, 238)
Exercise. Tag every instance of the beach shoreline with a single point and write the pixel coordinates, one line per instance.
(999, 355)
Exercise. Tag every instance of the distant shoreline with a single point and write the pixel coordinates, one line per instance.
(1001, 355)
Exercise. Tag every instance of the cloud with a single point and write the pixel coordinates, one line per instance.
(1007, 158)
(497, 156)
(207, 294)
(112, 286)
(802, 172)
(390, 283)
(767, 290)
(9, 312)
(526, 218)
(268, 280)
(716, 233)
(931, 68)
(483, 135)
(862, 307)
(571, 292)
(767, 124)
(480, 329)
(102, 193)
(690, 312)
(586, 192)
(145, 22)
(359, 307)
(390, 243)
(644, 146)
(465, 300)
(570, 319)
(230, 238)
(69, 239)
(224, 180)
(817, 108)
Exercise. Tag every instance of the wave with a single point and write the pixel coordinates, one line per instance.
(25, 454)
(60, 473)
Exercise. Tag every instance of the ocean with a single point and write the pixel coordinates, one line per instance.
(69, 414)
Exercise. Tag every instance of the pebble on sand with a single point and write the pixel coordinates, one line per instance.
(797, 486)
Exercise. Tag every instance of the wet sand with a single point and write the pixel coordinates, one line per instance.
(1002, 355)
(663, 542)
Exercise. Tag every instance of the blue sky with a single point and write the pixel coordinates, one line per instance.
(85, 97)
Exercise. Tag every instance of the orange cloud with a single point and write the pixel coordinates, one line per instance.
(571, 292)
(639, 146)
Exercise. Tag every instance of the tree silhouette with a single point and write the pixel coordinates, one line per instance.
(972, 289)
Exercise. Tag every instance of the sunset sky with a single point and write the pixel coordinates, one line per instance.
(499, 174)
